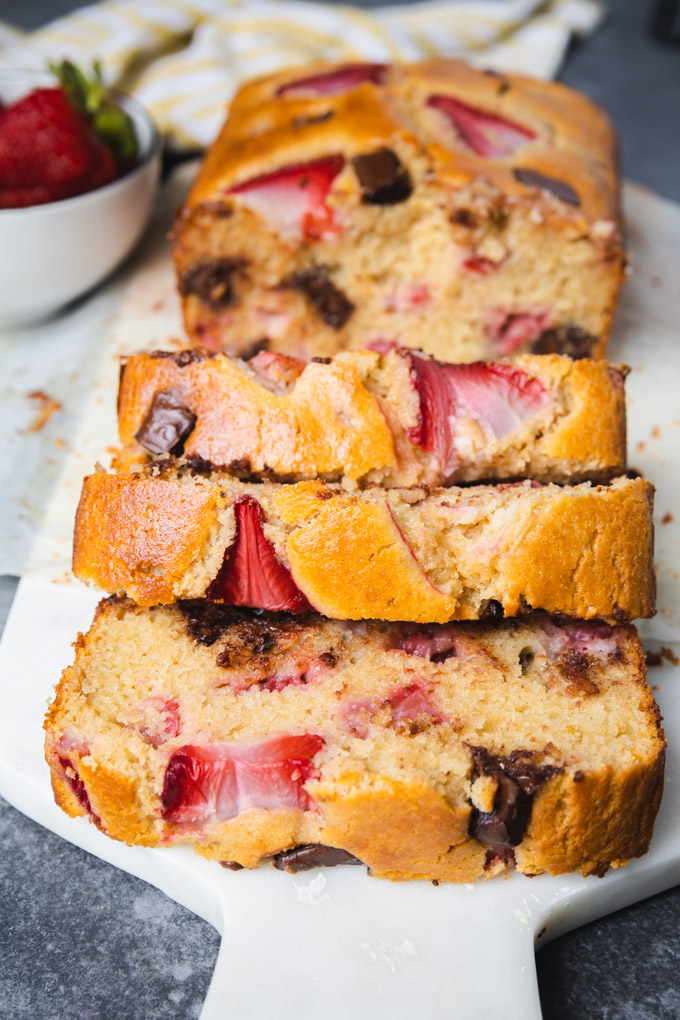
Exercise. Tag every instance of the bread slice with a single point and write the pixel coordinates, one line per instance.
(466, 213)
(398, 418)
(165, 533)
(440, 752)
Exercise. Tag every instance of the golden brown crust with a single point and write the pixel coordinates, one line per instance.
(152, 532)
(585, 551)
(575, 143)
(331, 423)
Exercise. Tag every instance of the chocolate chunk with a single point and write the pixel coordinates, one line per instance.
(206, 621)
(499, 855)
(168, 421)
(383, 177)
(306, 856)
(505, 825)
(493, 610)
(518, 777)
(464, 217)
(570, 340)
(211, 280)
(231, 865)
(534, 179)
(330, 304)
(321, 361)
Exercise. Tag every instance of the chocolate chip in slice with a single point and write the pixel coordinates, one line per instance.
(212, 280)
(570, 340)
(383, 177)
(534, 179)
(505, 825)
(168, 422)
(306, 856)
(330, 304)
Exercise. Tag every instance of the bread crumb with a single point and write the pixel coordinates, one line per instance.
(657, 658)
(47, 406)
(667, 518)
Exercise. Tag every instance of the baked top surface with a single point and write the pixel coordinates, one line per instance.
(555, 131)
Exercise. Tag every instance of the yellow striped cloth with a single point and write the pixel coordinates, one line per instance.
(183, 59)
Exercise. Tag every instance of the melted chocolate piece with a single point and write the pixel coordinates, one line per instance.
(518, 778)
(306, 856)
(330, 304)
(231, 865)
(206, 621)
(383, 177)
(168, 422)
(493, 610)
(211, 280)
(534, 179)
(571, 340)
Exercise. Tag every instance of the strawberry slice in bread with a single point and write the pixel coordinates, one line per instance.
(165, 533)
(365, 417)
(531, 743)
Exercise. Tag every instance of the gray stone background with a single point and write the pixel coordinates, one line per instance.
(80, 940)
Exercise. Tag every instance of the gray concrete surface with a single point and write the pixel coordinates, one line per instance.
(82, 940)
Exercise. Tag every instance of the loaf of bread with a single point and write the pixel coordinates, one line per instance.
(440, 752)
(164, 533)
(466, 213)
(398, 418)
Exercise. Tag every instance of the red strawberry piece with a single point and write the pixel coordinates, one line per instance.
(590, 637)
(510, 330)
(481, 266)
(485, 133)
(161, 719)
(412, 701)
(293, 200)
(251, 575)
(355, 716)
(281, 370)
(218, 781)
(340, 80)
(434, 643)
(300, 676)
(49, 152)
(498, 396)
(77, 786)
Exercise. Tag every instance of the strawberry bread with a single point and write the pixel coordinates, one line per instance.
(165, 533)
(398, 418)
(432, 205)
(442, 752)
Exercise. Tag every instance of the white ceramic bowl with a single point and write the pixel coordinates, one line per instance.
(53, 253)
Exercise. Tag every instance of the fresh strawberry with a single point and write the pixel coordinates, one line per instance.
(340, 80)
(251, 575)
(485, 133)
(410, 702)
(217, 782)
(497, 396)
(49, 152)
(281, 370)
(293, 200)
(510, 330)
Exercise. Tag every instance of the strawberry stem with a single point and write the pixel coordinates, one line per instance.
(91, 98)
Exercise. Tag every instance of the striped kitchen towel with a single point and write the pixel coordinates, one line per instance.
(183, 59)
